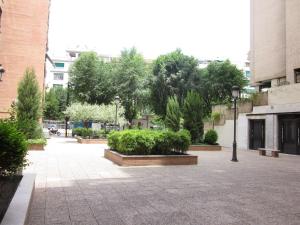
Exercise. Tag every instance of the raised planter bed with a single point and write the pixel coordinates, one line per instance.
(36, 147)
(205, 148)
(146, 160)
(18, 208)
(91, 141)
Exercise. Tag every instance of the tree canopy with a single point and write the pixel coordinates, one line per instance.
(217, 82)
(174, 74)
(56, 103)
(91, 79)
(131, 74)
(101, 113)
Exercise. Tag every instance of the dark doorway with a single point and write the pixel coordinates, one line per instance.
(289, 134)
(257, 134)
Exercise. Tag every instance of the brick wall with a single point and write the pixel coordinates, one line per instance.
(23, 43)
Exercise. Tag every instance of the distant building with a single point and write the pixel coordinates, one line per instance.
(23, 43)
(58, 68)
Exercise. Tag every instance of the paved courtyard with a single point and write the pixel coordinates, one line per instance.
(76, 185)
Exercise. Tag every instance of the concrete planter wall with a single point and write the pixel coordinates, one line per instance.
(146, 160)
(91, 141)
(205, 148)
(36, 147)
(19, 206)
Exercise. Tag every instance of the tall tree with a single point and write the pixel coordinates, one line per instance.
(217, 82)
(173, 115)
(51, 106)
(91, 79)
(174, 74)
(130, 79)
(56, 103)
(29, 105)
(193, 115)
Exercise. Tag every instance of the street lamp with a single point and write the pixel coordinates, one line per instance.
(117, 100)
(235, 95)
(2, 71)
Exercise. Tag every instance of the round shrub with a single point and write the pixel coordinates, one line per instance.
(211, 137)
(13, 149)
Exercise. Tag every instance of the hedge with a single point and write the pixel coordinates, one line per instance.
(89, 133)
(13, 149)
(146, 142)
(41, 141)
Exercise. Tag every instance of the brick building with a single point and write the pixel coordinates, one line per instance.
(23, 43)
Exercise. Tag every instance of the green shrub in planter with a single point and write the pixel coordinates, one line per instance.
(113, 139)
(13, 149)
(76, 131)
(211, 137)
(145, 142)
(83, 132)
(40, 141)
(182, 141)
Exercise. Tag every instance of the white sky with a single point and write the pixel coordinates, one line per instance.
(202, 28)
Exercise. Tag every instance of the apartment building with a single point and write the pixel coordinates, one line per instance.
(272, 120)
(23, 43)
(275, 66)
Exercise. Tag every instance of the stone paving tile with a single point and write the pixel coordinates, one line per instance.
(75, 185)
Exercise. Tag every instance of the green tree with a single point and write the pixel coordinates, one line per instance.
(86, 112)
(131, 81)
(91, 79)
(173, 115)
(29, 105)
(174, 74)
(51, 106)
(193, 115)
(217, 82)
(55, 103)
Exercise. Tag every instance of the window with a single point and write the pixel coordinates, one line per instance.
(297, 75)
(247, 73)
(57, 86)
(58, 76)
(59, 65)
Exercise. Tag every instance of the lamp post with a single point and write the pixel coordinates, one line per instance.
(235, 95)
(117, 100)
(67, 117)
(2, 71)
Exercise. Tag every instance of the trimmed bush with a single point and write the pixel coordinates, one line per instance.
(211, 137)
(89, 133)
(146, 142)
(13, 149)
(40, 141)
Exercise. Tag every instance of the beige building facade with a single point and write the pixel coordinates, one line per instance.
(23, 43)
(273, 121)
(275, 66)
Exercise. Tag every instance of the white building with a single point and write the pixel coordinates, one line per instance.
(57, 74)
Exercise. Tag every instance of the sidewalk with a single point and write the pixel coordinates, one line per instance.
(76, 185)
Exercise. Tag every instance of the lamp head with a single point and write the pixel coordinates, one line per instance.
(235, 92)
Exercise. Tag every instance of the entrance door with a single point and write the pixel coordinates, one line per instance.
(290, 136)
(257, 134)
